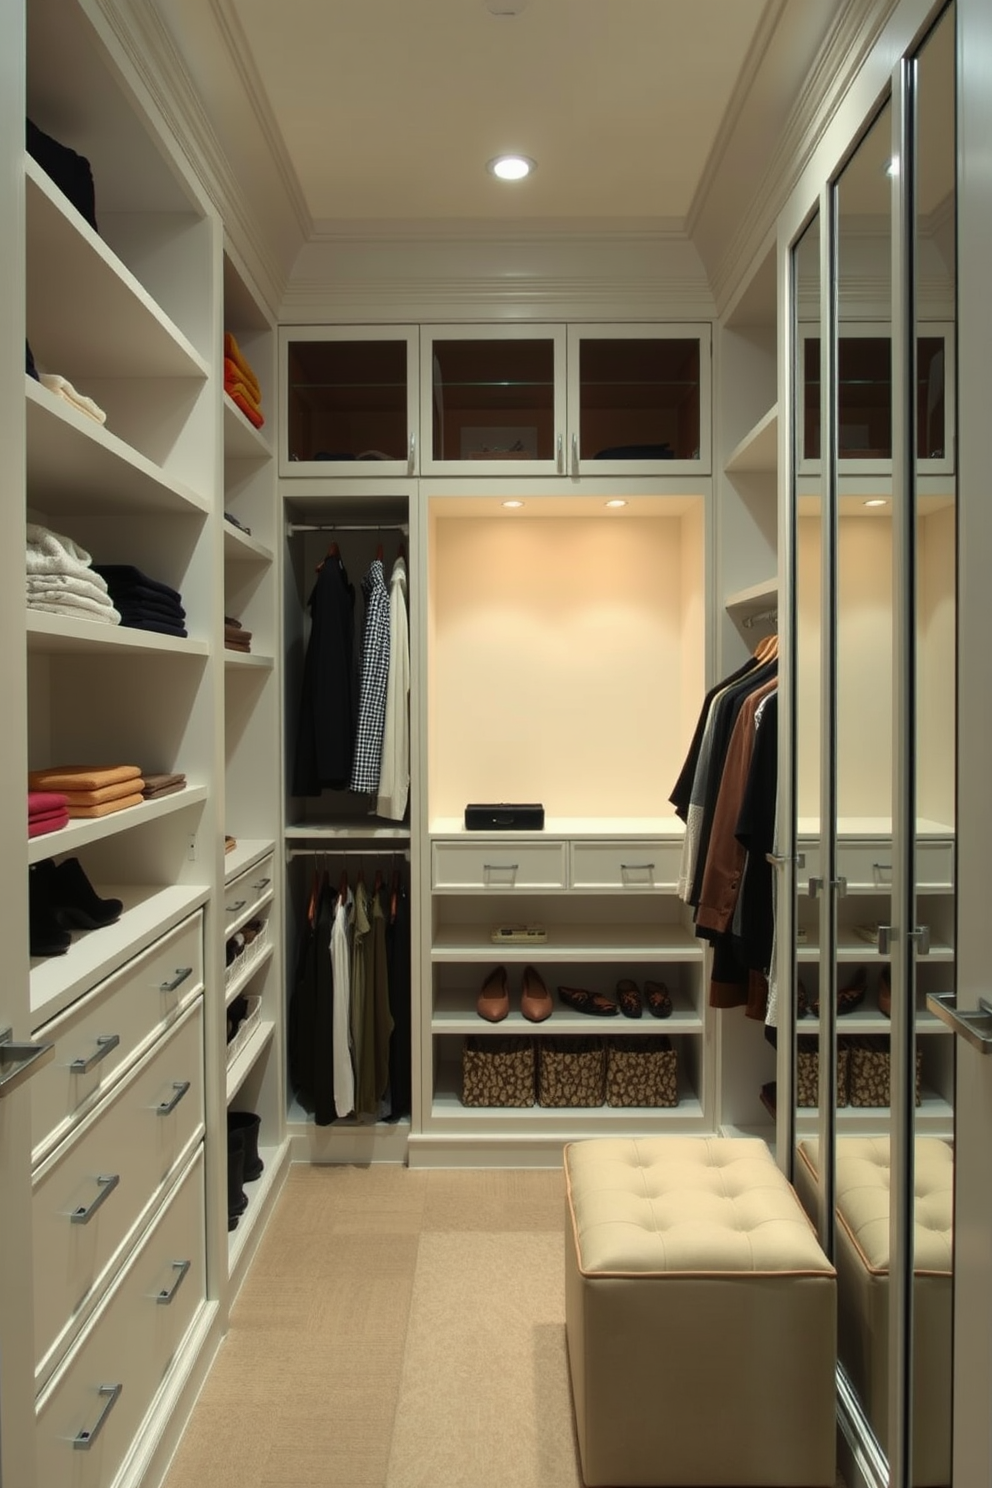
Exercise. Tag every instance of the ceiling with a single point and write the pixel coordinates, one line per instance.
(337, 116)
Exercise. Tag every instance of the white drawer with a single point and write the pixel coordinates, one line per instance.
(95, 1190)
(103, 1033)
(499, 867)
(246, 893)
(132, 1342)
(625, 865)
(867, 866)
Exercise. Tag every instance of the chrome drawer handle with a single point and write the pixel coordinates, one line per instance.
(167, 1294)
(263, 883)
(182, 973)
(84, 1439)
(233, 908)
(105, 1042)
(85, 1213)
(636, 867)
(500, 867)
(166, 1108)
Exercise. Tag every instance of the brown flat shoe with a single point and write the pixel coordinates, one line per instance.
(884, 993)
(535, 999)
(658, 999)
(494, 998)
(629, 998)
(588, 1002)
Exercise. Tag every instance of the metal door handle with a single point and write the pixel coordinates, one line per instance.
(263, 883)
(105, 1042)
(238, 904)
(636, 867)
(83, 1440)
(85, 1212)
(412, 461)
(167, 1294)
(922, 937)
(884, 939)
(182, 972)
(575, 454)
(974, 1026)
(561, 452)
(165, 1108)
(814, 887)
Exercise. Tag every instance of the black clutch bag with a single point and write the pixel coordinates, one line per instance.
(504, 816)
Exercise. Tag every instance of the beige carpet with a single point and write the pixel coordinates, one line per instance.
(484, 1396)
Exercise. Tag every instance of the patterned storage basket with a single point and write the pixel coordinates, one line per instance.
(571, 1071)
(498, 1071)
(871, 1071)
(641, 1071)
(808, 1071)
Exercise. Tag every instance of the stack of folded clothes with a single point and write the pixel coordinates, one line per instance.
(47, 812)
(240, 383)
(235, 637)
(144, 603)
(63, 388)
(92, 790)
(162, 785)
(61, 579)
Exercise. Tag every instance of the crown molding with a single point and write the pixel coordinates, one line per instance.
(151, 51)
(553, 230)
(852, 34)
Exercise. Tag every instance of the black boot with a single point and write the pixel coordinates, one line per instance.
(237, 1199)
(77, 904)
(247, 1123)
(46, 936)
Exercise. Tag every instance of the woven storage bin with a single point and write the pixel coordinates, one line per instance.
(571, 1071)
(498, 1071)
(641, 1071)
(871, 1071)
(808, 1071)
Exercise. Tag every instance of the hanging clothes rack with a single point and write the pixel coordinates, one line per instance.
(330, 851)
(292, 528)
(760, 617)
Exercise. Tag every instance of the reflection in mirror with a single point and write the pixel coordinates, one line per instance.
(935, 611)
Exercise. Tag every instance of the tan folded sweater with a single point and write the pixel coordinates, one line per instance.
(107, 807)
(106, 793)
(81, 777)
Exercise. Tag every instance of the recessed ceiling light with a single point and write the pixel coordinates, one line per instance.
(616, 502)
(511, 167)
(877, 501)
(512, 504)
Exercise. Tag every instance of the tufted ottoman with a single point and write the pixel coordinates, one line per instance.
(862, 1181)
(701, 1317)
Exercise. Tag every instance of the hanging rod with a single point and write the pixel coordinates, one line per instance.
(347, 852)
(293, 527)
(760, 617)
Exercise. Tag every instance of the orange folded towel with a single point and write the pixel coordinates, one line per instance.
(234, 353)
(105, 793)
(81, 777)
(107, 807)
(251, 412)
(235, 378)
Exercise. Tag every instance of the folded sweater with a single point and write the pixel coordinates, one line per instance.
(76, 609)
(233, 353)
(104, 793)
(87, 812)
(50, 821)
(125, 576)
(236, 393)
(43, 802)
(81, 777)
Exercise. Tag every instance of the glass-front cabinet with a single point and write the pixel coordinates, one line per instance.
(350, 400)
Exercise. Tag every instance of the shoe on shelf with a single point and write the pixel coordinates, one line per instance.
(851, 996)
(77, 904)
(535, 999)
(802, 1000)
(248, 1124)
(884, 993)
(493, 1002)
(658, 999)
(46, 935)
(629, 998)
(594, 1003)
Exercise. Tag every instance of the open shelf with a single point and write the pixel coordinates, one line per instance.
(84, 830)
(242, 441)
(757, 452)
(62, 634)
(454, 1012)
(247, 851)
(241, 1066)
(571, 942)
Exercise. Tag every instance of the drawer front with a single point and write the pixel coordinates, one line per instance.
(626, 865)
(92, 1194)
(244, 894)
(499, 867)
(103, 1033)
(867, 866)
(131, 1343)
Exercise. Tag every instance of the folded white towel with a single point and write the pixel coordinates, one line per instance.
(78, 605)
(44, 540)
(63, 388)
(85, 581)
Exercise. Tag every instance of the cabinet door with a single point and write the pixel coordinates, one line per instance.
(638, 400)
(349, 398)
(864, 393)
(492, 400)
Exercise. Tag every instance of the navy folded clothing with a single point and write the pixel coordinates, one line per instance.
(174, 613)
(161, 627)
(123, 576)
(70, 171)
(29, 365)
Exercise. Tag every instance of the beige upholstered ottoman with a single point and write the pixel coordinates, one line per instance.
(862, 1181)
(701, 1317)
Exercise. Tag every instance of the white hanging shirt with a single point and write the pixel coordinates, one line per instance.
(394, 768)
